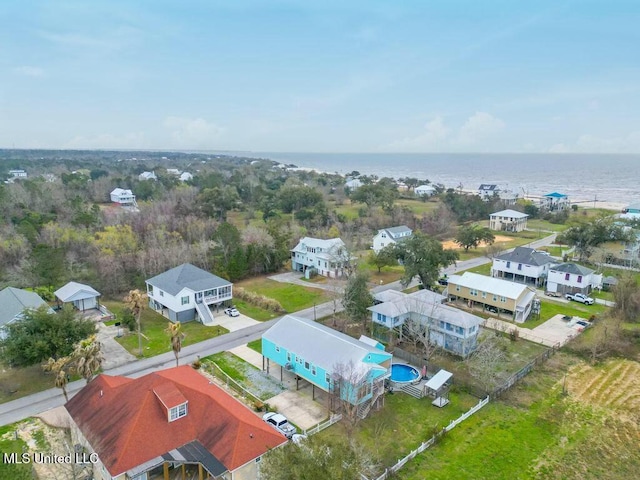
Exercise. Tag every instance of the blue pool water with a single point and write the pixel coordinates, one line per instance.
(403, 373)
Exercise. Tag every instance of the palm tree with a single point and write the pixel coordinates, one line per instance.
(87, 358)
(174, 331)
(58, 368)
(137, 302)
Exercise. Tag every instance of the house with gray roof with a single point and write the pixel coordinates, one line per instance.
(187, 293)
(83, 297)
(330, 258)
(336, 363)
(572, 278)
(390, 236)
(450, 328)
(487, 191)
(524, 265)
(14, 302)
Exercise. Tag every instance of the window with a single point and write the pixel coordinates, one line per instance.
(441, 324)
(277, 348)
(503, 299)
(519, 266)
(325, 264)
(457, 288)
(382, 244)
(327, 378)
(508, 264)
(484, 294)
(566, 276)
(381, 318)
(151, 290)
(288, 356)
(495, 298)
(178, 412)
(473, 292)
(384, 235)
(307, 365)
(185, 300)
(579, 278)
(161, 293)
(313, 370)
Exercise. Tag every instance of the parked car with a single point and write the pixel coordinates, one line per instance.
(232, 312)
(280, 423)
(552, 294)
(579, 297)
(492, 309)
(443, 281)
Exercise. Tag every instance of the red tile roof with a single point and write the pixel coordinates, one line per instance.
(127, 425)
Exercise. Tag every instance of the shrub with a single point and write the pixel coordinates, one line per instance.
(258, 300)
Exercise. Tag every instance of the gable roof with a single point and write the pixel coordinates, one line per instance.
(186, 276)
(528, 256)
(318, 243)
(319, 344)
(73, 291)
(14, 301)
(572, 268)
(504, 288)
(393, 232)
(509, 213)
(226, 428)
(121, 191)
(556, 195)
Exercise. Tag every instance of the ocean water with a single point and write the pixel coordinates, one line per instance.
(608, 178)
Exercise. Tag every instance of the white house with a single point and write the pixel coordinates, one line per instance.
(329, 257)
(452, 329)
(425, 190)
(14, 302)
(187, 292)
(353, 184)
(508, 221)
(123, 197)
(147, 176)
(173, 171)
(83, 297)
(186, 176)
(18, 173)
(389, 236)
(488, 190)
(524, 265)
(572, 278)
(555, 202)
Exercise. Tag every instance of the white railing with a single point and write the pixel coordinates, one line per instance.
(334, 418)
(216, 298)
(423, 446)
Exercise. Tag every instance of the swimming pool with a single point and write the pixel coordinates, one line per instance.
(402, 373)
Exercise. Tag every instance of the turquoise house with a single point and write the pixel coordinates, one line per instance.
(351, 370)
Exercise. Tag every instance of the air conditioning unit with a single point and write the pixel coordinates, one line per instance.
(288, 366)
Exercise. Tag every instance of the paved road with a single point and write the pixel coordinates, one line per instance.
(36, 403)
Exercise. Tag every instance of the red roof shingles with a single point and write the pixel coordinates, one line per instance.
(169, 395)
(127, 425)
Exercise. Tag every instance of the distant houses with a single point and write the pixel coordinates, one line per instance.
(330, 258)
(508, 221)
(555, 202)
(487, 191)
(147, 176)
(123, 197)
(390, 236)
(425, 191)
(353, 184)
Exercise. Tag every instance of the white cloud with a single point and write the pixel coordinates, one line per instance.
(29, 71)
(438, 137)
(478, 127)
(107, 140)
(193, 133)
(587, 143)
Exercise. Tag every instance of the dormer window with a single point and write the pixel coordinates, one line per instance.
(178, 412)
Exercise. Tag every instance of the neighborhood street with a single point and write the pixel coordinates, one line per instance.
(36, 403)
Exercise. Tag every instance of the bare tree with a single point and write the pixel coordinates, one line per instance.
(484, 364)
(348, 385)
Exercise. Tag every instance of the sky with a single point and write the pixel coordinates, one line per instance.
(321, 76)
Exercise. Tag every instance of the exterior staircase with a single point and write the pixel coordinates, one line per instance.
(365, 407)
(416, 391)
(205, 314)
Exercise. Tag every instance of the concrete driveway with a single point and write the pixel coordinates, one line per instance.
(233, 323)
(114, 354)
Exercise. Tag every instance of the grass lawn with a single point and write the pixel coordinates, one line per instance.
(536, 224)
(9, 444)
(402, 424)
(256, 345)
(549, 308)
(291, 297)
(418, 207)
(252, 311)
(554, 251)
(386, 275)
(481, 269)
(19, 382)
(155, 340)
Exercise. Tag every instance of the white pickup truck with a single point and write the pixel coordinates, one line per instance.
(579, 297)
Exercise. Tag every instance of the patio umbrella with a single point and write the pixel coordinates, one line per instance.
(424, 371)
